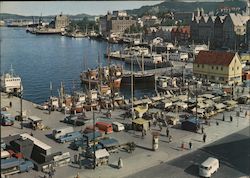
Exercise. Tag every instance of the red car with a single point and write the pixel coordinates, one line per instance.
(16, 155)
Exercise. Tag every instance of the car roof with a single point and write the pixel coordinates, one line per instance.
(208, 161)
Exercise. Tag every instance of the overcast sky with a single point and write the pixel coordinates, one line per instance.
(69, 7)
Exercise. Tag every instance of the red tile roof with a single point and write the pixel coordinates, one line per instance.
(214, 58)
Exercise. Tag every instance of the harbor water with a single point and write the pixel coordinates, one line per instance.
(41, 59)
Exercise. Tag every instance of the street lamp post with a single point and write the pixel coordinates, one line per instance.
(94, 160)
(196, 114)
(21, 108)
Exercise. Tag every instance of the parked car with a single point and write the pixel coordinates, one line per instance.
(85, 141)
(3, 145)
(117, 126)
(74, 120)
(70, 137)
(208, 167)
(13, 166)
(6, 119)
(104, 127)
(59, 132)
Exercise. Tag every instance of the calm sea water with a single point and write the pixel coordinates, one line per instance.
(39, 59)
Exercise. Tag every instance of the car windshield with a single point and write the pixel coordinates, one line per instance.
(204, 167)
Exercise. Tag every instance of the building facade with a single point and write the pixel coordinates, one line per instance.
(248, 35)
(219, 67)
(61, 21)
(234, 30)
(181, 33)
(222, 31)
(117, 23)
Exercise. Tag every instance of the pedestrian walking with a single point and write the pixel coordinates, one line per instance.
(204, 137)
(190, 145)
(31, 134)
(217, 123)
(167, 132)
(231, 118)
(202, 129)
(223, 117)
(10, 104)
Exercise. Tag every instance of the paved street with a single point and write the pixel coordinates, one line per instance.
(233, 152)
(143, 158)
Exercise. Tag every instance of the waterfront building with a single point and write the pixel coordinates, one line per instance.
(181, 33)
(207, 28)
(217, 39)
(218, 66)
(61, 21)
(228, 31)
(234, 30)
(116, 23)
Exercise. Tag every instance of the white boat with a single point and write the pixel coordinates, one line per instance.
(11, 83)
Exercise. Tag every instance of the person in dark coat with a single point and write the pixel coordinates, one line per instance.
(204, 137)
(167, 132)
(231, 118)
(190, 145)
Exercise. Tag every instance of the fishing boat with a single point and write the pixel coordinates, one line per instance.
(11, 83)
(110, 76)
(140, 77)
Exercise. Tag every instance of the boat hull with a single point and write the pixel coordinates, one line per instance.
(138, 79)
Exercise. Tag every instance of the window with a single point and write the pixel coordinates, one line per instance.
(202, 66)
(232, 68)
(237, 68)
(198, 65)
(212, 67)
(216, 67)
(221, 68)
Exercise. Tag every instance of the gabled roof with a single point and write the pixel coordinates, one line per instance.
(238, 19)
(214, 58)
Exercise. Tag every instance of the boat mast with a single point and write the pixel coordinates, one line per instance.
(99, 74)
(132, 87)
(50, 87)
(11, 70)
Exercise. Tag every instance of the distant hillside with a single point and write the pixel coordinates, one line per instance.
(6, 16)
(180, 6)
